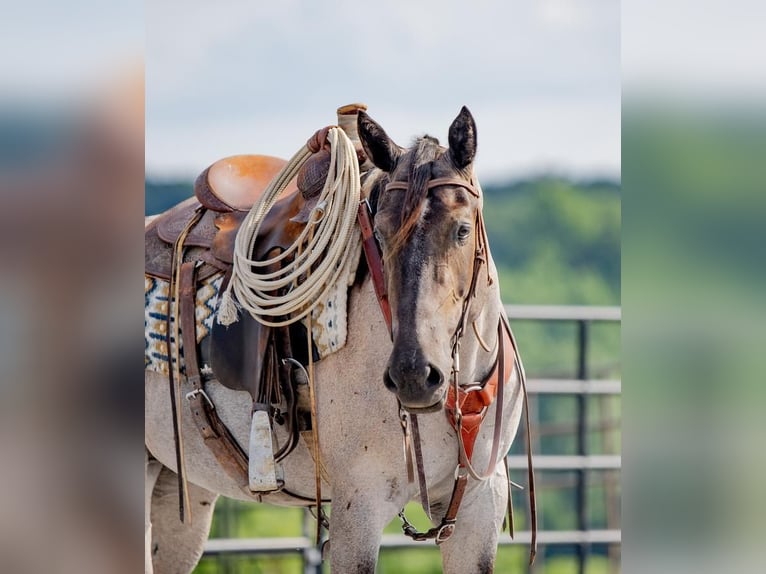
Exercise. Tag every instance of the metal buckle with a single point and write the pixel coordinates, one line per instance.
(445, 531)
(200, 392)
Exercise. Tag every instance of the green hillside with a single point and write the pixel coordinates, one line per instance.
(554, 241)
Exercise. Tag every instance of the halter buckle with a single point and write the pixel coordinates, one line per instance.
(445, 531)
(196, 392)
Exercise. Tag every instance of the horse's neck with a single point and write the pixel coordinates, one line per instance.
(486, 310)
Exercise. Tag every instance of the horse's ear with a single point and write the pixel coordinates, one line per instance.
(380, 148)
(462, 139)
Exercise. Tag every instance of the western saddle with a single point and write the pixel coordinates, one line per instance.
(225, 191)
(194, 241)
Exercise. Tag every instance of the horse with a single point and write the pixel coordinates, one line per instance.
(445, 312)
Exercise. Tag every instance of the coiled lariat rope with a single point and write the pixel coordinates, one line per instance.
(322, 251)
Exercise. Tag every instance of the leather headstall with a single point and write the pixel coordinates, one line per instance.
(465, 407)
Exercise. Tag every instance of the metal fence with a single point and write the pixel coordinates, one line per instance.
(582, 463)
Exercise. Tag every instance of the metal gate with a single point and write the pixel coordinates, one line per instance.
(582, 471)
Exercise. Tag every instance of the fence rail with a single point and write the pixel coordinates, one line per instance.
(582, 462)
(219, 546)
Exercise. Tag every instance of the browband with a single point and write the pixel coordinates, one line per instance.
(468, 186)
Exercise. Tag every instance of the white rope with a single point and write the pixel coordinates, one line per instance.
(320, 257)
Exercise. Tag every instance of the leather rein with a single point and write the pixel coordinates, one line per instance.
(465, 407)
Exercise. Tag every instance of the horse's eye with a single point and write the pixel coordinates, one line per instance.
(463, 232)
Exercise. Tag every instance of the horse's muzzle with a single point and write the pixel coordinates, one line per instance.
(418, 390)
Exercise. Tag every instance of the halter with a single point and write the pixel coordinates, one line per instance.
(465, 408)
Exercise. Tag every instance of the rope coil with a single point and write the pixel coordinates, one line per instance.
(323, 250)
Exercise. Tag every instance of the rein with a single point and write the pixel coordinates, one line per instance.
(465, 407)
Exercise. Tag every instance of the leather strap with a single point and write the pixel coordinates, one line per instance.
(174, 368)
(436, 182)
(475, 401)
(423, 487)
(374, 260)
(216, 436)
(447, 526)
(530, 469)
(510, 497)
(214, 432)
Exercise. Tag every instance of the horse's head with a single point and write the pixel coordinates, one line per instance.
(427, 221)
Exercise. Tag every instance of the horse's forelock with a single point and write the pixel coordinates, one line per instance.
(420, 160)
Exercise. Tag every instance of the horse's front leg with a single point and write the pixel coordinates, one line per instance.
(473, 545)
(360, 510)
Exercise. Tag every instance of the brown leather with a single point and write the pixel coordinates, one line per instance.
(374, 260)
(227, 225)
(422, 486)
(216, 436)
(172, 222)
(473, 403)
(212, 239)
(161, 234)
(237, 350)
(188, 296)
(235, 183)
(310, 180)
(511, 525)
(158, 256)
(318, 140)
(172, 334)
(446, 527)
(312, 176)
(436, 182)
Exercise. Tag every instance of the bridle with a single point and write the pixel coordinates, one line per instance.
(465, 407)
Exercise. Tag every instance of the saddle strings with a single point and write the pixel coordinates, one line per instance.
(323, 251)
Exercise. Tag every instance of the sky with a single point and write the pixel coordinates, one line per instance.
(541, 78)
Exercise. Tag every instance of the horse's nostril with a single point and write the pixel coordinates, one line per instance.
(388, 381)
(434, 378)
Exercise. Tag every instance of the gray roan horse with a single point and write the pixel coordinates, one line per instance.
(427, 221)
